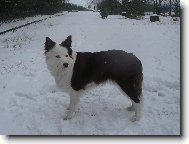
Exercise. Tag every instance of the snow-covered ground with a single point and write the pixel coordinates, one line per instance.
(31, 104)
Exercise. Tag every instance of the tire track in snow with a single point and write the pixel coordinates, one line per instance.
(24, 25)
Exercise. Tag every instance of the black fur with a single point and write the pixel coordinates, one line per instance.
(49, 44)
(123, 68)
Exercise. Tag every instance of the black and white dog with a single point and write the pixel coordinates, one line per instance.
(75, 72)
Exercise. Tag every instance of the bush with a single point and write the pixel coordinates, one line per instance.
(103, 13)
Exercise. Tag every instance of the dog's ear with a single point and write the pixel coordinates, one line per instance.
(67, 42)
(49, 44)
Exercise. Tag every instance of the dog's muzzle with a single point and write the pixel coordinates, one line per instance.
(65, 65)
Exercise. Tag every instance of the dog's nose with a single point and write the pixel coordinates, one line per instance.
(65, 65)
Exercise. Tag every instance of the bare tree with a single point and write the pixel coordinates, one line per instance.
(93, 3)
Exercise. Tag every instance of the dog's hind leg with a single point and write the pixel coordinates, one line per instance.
(137, 110)
(131, 108)
(133, 88)
(74, 99)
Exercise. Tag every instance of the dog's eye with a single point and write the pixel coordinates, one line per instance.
(57, 56)
(66, 55)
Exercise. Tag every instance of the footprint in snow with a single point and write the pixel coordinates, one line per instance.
(25, 95)
(161, 94)
(93, 114)
(29, 74)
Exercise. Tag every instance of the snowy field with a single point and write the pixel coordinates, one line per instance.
(31, 104)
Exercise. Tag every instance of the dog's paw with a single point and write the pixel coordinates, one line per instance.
(66, 118)
(69, 115)
(131, 108)
(93, 114)
(134, 118)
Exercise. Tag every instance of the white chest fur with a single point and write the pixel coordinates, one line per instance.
(63, 80)
(62, 77)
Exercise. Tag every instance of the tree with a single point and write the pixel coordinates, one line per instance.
(69, 7)
(134, 8)
(159, 7)
(110, 7)
(177, 7)
(94, 3)
(127, 7)
(170, 8)
(10, 9)
(138, 7)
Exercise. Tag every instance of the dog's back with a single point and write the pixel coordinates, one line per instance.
(116, 64)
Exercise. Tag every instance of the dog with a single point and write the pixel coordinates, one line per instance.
(76, 72)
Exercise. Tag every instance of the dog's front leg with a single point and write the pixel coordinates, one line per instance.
(74, 99)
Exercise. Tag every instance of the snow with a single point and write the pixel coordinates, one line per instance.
(31, 104)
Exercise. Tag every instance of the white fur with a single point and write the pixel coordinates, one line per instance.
(55, 65)
(136, 107)
(63, 77)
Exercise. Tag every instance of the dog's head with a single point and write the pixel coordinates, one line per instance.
(58, 56)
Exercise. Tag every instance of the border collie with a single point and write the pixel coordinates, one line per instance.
(75, 72)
